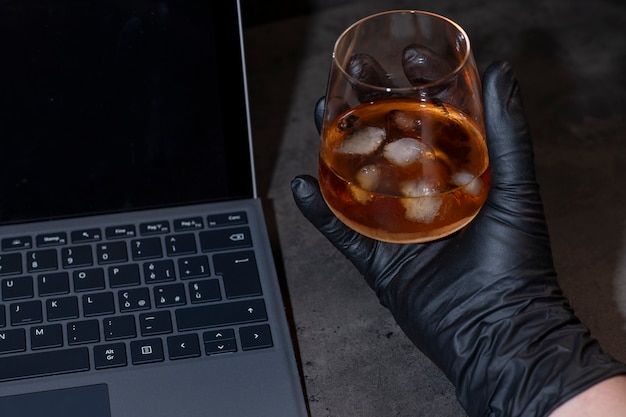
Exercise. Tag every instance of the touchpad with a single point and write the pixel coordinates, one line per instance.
(89, 401)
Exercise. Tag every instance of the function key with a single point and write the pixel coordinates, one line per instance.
(86, 235)
(154, 228)
(15, 243)
(116, 232)
(191, 223)
(227, 219)
(51, 239)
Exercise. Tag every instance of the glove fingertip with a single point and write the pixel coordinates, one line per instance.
(508, 133)
(308, 198)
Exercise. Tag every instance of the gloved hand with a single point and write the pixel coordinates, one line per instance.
(483, 304)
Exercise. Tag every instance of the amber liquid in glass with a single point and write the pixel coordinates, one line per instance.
(404, 171)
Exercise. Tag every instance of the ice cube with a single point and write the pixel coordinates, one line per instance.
(403, 120)
(419, 203)
(406, 151)
(360, 195)
(466, 180)
(368, 177)
(363, 141)
(422, 209)
(419, 188)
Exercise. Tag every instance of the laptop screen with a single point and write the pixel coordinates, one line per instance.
(111, 105)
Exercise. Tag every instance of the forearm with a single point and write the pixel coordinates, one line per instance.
(605, 399)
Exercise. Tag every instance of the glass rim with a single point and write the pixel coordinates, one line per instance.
(424, 86)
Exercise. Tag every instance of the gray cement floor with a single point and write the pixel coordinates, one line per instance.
(570, 57)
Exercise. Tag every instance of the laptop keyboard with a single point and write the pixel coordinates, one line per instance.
(130, 294)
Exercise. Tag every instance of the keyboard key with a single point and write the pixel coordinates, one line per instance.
(148, 248)
(230, 238)
(183, 346)
(16, 243)
(53, 283)
(124, 275)
(191, 223)
(219, 341)
(255, 337)
(25, 312)
(76, 256)
(159, 271)
(13, 340)
(43, 363)
(16, 288)
(239, 273)
(10, 264)
(110, 355)
(118, 232)
(194, 267)
(181, 244)
(158, 322)
(62, 308)
(88, 279)
(51, 239)
(210, 315)
(41, 260)
(134, 299)
(111, 252)
(146, 351)
(47, 336)
(227, 219)
(98, 304)
(87, 331)
(86, 235)
(204, 291)
(218, 335)
(154, 228)
(3, 318)
(224, 346)
(169, 295)
(119, 327)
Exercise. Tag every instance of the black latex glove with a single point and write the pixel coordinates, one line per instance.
(483, 304)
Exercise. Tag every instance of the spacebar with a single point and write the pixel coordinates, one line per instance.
(44, 363)
(201, 317)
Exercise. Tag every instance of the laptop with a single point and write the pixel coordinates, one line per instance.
(136, 274)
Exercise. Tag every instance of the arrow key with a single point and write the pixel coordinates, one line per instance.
(219, 341)
(255, 337)
(225, 346)
(183, 346)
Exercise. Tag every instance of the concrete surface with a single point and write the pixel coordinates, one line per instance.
(570, 57)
